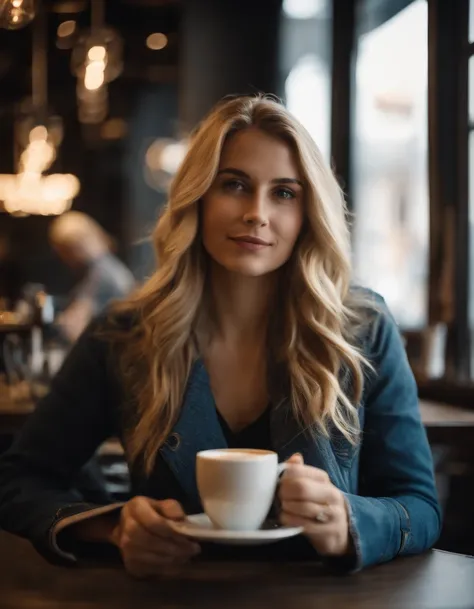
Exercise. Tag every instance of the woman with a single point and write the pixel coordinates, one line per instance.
(248, 334)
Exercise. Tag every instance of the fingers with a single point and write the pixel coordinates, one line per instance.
(299, 470)
(134, 537)
(331, 539)
(305, 489)
(150, 514)
(293, 520)
(296, 459)
(169, 508)
(307, 509)
(143, 528)
(311, 527)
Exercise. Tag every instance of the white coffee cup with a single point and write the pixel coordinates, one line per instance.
(237, 486)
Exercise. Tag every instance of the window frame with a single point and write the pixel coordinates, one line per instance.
(449, 51)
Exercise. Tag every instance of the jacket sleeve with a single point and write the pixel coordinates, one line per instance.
(396, 510)
(37, 473)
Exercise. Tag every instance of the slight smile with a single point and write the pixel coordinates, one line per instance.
(250, 243)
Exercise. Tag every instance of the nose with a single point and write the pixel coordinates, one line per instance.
(256, 211)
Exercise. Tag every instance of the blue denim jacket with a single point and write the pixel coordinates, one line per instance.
(387, 479)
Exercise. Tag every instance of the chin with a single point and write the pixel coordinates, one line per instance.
(248, 270)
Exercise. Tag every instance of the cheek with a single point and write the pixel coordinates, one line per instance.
(290, 228)
(214, 221)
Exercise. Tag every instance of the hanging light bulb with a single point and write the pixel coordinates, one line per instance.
(15, 14)
(99, 47)
(96, 60)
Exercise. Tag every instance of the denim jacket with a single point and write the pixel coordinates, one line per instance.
(387, 479)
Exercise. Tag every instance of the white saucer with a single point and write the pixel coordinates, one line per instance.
(201, 528)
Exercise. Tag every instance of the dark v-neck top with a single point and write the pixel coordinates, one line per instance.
(255, 435)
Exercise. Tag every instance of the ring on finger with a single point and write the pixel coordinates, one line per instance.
(322, 516)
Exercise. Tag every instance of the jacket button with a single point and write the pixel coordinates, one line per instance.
(173, 441)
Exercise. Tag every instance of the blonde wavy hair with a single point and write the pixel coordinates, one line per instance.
(318, 314)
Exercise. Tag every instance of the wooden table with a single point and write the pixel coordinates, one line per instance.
(448, 424)
(436, 580)
(8, 328)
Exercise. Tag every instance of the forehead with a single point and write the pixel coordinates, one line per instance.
(259, 155)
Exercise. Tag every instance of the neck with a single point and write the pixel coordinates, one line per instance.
(240, 305)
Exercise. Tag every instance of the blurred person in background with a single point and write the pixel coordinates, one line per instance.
(86, 248)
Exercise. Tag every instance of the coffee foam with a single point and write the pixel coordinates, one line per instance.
(244, 454)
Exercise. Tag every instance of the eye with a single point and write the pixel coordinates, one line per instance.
(233, 185)
(285, 193)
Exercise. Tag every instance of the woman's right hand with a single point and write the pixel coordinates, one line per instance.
(145, 539)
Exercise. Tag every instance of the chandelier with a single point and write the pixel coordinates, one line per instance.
(37, 137)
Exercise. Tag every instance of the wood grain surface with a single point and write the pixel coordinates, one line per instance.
(436, 580)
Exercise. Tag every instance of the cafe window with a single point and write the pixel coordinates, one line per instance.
(471, 21)
(306, 65)
(389, 157)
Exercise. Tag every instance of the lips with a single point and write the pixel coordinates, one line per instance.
(250, 244)
(250, 239)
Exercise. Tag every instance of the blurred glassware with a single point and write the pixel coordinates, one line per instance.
(44, 308)
(16, 14)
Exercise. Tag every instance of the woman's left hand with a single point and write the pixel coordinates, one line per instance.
(309, 499)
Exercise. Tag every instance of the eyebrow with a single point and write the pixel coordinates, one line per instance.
(242, 174)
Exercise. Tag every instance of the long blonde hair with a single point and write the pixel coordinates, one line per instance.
(318, 313)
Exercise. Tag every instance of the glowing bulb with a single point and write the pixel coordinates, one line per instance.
(38, 133)
(97, 53)
(37, 156)
(66, 28)
(156, 41)
(94, 76)
(17, 3)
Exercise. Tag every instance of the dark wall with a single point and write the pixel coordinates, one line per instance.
(228, 47)
(155, 115)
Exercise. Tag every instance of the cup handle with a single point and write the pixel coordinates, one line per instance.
(281, 468)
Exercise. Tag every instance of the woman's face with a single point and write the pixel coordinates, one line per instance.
(253, 212)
